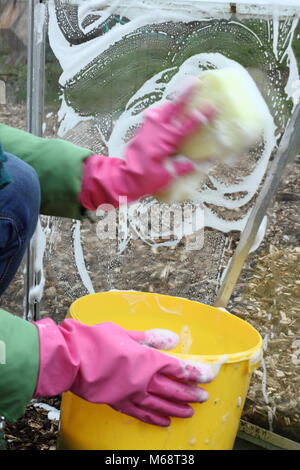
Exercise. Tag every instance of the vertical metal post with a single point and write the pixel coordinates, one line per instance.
(35, 112)
(288, 149)
(36, 67)
(35, 102)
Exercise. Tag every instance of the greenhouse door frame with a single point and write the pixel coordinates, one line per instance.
(35, 112)
(285, 154)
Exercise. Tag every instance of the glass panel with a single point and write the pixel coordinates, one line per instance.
(106, 64)
(13, 65)
(116, 61)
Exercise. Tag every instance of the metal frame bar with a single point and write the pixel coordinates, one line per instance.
(35, 112)
(223, 8)
(289, 145)
(35, 105)
(264, 439)
(36, 72)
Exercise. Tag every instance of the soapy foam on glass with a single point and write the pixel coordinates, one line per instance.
(79, 259)
(116, 144)
(75, 58)
(193, 66)
(38, 245)
(129, 118)
(40, 15)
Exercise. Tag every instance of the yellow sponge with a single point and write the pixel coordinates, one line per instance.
(239, 122)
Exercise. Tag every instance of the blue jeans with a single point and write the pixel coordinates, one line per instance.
(19, 210)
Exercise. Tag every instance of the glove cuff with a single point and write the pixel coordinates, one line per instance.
(59, 362)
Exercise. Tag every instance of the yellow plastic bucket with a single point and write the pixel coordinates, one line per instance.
(206, 334)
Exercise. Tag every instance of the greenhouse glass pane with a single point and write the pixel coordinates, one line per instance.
(106, 63)
(13, 74)
(113, 61)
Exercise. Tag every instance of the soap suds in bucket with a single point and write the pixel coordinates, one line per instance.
(161, 339)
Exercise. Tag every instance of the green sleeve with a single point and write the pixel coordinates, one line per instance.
(59, 166)
(19, 364)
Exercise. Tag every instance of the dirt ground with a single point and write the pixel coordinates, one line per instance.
(267, 296)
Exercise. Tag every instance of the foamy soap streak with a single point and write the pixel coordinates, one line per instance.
(239, 120)
(269, 37)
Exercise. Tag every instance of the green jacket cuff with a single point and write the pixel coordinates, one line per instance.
(19, 364)
(59, 166)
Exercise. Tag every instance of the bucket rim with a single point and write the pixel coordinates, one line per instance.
(253, 355)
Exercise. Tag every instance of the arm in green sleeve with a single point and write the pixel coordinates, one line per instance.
(19, 364)
(59, 165)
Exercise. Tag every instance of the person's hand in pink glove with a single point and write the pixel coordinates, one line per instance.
(107, 364)
(150, 165)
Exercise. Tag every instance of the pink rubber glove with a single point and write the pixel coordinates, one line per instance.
(106, 364)
(149, 166)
